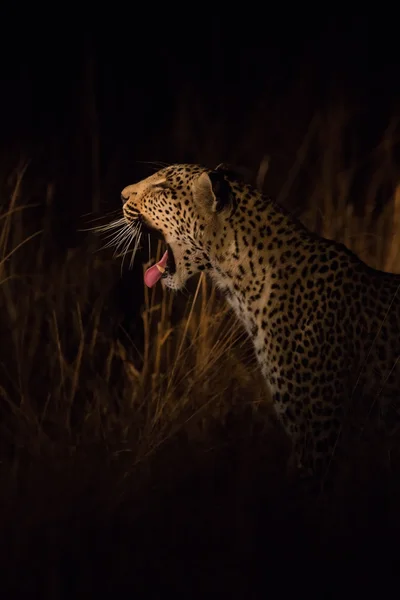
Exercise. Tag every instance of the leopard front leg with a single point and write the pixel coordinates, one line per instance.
(313, 429)
(295, 425)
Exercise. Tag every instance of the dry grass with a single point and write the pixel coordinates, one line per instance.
(72, 379)
(93, 418)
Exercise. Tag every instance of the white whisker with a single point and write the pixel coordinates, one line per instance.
(108, 214)
(125, 251)
(156, 164)
(101, 228)
(135, 248)
(116, 240)
(116, 236)
(113, 225)
(121, 235)
(124, 240)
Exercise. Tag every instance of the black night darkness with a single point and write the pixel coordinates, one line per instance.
(138, 452)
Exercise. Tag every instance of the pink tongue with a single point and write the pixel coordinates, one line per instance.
(155, 272)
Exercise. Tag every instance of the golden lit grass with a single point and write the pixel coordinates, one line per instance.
(372, 228)
(71, 380)
(72, 383)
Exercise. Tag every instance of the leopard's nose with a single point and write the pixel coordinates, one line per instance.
(124, 198)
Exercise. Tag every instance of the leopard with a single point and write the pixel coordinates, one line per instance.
(323, 324)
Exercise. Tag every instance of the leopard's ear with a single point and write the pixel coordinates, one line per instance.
(212, 191)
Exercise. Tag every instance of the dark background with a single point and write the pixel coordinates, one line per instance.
(88, 98)
(91, 100)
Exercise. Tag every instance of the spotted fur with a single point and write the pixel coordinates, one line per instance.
(324, 325)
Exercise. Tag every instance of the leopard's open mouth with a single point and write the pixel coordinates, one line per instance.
(164, 267)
